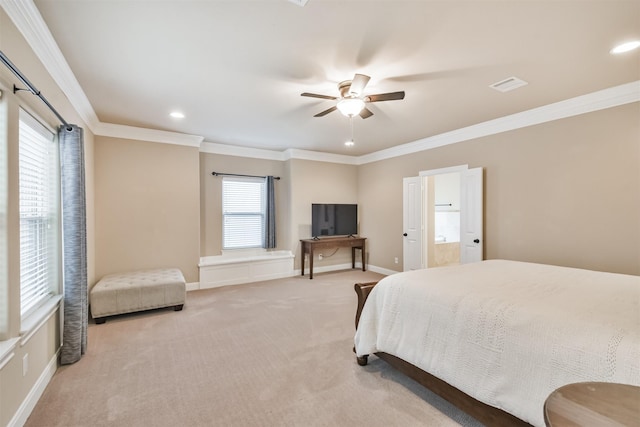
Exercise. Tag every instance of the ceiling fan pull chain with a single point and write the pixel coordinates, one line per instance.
(351, 142)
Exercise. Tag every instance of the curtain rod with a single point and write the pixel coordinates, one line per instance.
(31, 88)
(235, 174)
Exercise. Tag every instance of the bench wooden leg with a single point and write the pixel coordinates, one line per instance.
(178, 307)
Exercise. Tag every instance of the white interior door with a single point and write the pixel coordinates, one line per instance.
(412, 223)
(471, 216)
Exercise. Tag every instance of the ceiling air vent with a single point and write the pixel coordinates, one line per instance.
(300, 3)
(508, 84)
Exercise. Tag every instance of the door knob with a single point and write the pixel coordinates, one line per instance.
(476, 240)
(405, 234)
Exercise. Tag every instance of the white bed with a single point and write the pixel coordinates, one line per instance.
(507, 333)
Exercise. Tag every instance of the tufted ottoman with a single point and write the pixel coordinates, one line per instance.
(137, 291)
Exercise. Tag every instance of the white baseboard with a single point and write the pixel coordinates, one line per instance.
(25, 409)
(384, 271)
(338, 267)
(238, 275)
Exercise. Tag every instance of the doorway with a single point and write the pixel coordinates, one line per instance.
(444, 241)
(442, 217)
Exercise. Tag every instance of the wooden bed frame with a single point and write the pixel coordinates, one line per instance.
(484, 413)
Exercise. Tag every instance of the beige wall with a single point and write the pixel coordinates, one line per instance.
(147, 207)
(565, 192)
(319, 182)
(302, 183)
(211, 197)
(42, 347)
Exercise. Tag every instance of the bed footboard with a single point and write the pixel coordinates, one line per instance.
(362, 290)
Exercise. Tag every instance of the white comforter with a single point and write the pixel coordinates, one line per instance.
(508, 333)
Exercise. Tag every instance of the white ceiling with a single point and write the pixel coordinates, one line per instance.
(236, 68)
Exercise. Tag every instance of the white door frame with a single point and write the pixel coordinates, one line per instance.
(462, 169)
(472, 218)
(441, 171)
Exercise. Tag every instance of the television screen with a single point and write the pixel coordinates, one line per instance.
(334, 219)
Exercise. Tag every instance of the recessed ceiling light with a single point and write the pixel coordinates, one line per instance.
(349, 143)
(625, 47)
(299, 2)
(177, 115)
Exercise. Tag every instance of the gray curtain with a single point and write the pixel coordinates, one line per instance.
(74, 244)
(270, 217)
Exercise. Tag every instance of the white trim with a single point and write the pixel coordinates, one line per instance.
(259, 153)
(380, 270)
(293, 153)
(244, 267)
(29, 22)
(192, 286)
(34, 321)
(26, 17)
(7, 352)
(442, 171)
(142, 134)
(25, 409)
(233, 150)
(607, 98)
(341, 267)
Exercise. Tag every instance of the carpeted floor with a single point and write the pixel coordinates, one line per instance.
(276, 353)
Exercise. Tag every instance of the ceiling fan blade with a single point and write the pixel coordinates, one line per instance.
(365, 113)
(358, 84)
(325, 112)
(392, 96)
(315, 95)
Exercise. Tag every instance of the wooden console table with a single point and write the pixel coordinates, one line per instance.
(310, 245)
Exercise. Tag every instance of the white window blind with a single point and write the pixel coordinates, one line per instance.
(38, 189)
(243, 209)
(4, 301)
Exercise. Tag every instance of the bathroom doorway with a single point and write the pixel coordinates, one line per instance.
(445, 214)
(443, 217)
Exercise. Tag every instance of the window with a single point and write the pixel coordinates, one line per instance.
(39, 194)
(4, 303)
(243, 211)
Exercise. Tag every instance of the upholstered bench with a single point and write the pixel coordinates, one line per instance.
(137, 291)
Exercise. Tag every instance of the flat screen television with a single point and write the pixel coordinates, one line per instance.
(334, 219)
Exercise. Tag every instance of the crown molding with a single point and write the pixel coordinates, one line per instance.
(26, 17)
(293, 153)
(602, 99)
(234, 150)
(152, 135)
(29, 22)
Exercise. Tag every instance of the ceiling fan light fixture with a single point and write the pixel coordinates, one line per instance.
(350, 106)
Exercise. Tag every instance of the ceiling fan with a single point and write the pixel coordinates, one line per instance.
(352, 101)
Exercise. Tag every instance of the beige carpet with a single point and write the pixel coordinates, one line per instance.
(276, 353)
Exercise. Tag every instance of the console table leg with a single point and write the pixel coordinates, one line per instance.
(353, 257)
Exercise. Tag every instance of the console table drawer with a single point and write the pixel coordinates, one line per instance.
(324, 245)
